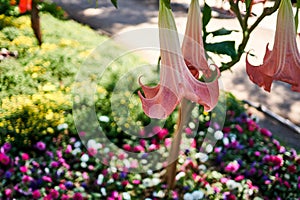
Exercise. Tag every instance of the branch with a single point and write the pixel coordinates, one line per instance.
(247, 31)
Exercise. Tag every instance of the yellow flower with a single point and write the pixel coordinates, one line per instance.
(48, 47)
(68, 43)
(22, 41)
(49, 87)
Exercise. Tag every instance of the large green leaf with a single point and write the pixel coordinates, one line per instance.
(222, 31)
(226, 47)
(115, 3)
(296, 15)
(206, 14)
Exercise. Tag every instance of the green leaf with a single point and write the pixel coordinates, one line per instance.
(248, 4)
(206, 14)
(296, 15)
(226, 47)
(222, 31)
(115, 3)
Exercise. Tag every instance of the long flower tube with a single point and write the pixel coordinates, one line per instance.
(283, 62)
(176, 80)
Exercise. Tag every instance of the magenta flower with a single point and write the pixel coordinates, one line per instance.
(68, 149)
(25, 156)
(54, 193)
(274, 160)
(26, 178)
(65, 197)
(176, 80)
(36, 194)
(4, 159)
(47, 179)
(41, 146)
(23, 169)
(8, 192)
(283, 62)
(78, 196)
(54, 164)
(6, 147)
(232, 167)
(266, 132)
(92, 151)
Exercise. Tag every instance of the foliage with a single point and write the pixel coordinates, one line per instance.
(10, 8)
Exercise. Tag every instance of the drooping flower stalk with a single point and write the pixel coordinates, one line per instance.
(283, 62)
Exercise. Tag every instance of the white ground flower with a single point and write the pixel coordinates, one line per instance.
(84, 158)
(103, 191)
(218, 135)
(202, 156)
(62, 126)
(198, 194)
(83, 164)
(126, 196)
(77, 144)
(188, 196)
(155, 181)
(147, 182)
(103, 118)
(231, 184)
(179, 175)
(100, 179)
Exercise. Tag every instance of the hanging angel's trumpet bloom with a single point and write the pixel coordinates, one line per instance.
(283, 62)
(176, 80)
(192, 46)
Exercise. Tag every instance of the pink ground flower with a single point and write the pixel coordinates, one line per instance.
(232, 167)
(47, 179)
(25, 156)
(265, 132)
(26, 178)
(41, 146)
(4, 159)
(239, 128)
(8, 192)
(239, 178)
(162, 133)
(23, 169)
(136, 182)
(68, 149)
(126, 147)
(78, 196)
(92, 151)
(36, 194)
(54, 193)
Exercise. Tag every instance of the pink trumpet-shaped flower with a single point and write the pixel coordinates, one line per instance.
(283, 62)
(192, 46)
(176, 80)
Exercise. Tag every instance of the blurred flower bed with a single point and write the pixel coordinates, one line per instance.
(42, 156)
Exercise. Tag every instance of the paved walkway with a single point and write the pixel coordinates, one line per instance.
(137, 14)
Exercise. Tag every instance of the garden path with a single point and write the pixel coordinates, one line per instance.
(137, 14)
